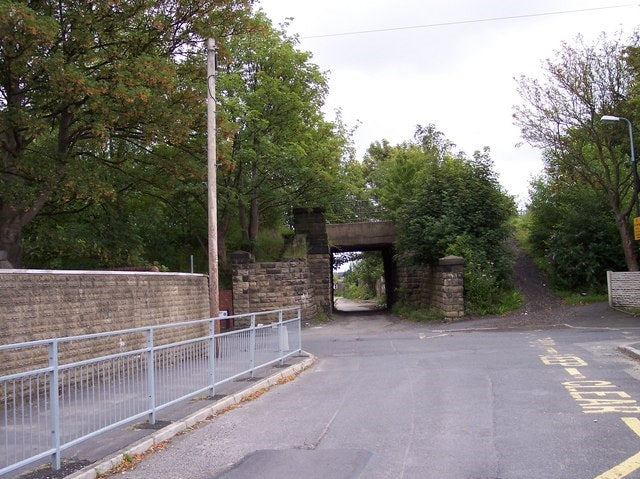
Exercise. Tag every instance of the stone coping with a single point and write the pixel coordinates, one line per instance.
(96, 272)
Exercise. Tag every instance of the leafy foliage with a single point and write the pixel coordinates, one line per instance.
(360, 279)
(108, 166)
(561, 114)
(445, 203)
(277, 150)
(89, 92)
(573, 230)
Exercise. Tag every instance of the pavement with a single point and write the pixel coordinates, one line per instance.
(94, 457)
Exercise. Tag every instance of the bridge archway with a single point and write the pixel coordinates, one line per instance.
(370, 236)
(324, 240)
(439, 286)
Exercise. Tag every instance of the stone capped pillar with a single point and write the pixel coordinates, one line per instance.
(449, 288)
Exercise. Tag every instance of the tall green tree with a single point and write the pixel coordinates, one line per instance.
(561, 114)
(445, 203)
(81, 83)
(277, 150)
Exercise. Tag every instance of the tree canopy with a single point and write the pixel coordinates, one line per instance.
(85, 89)
(561, 113)
(277, 149)
(445, 203)
(103, 135)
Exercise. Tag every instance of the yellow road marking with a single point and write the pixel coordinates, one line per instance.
(633, 423)
(575, 373)
(566, 360)
(630, 465)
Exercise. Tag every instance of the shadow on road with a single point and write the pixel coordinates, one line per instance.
(360, 306)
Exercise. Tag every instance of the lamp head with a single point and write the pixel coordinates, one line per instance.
(610, 119)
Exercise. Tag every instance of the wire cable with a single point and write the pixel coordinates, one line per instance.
(464, 22)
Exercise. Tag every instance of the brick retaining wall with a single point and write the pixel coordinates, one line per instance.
(274, 285)
(38, 304)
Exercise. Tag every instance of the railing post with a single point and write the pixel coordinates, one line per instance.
(56, 460)
(252, 344)
(151, 381)
(212, 356)
(280, 338)
(299, 329)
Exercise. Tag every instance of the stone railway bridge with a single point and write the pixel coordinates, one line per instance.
(263, 286)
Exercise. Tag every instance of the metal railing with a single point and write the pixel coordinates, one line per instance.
(127, 375)
(355, 211)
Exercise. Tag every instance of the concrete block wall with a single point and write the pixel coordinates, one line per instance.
(440, 287)
(624, 289)
(39, 304)
(269, 286)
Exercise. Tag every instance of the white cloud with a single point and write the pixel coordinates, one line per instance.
(459, 77)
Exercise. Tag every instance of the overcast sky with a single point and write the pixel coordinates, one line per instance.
(459, 77)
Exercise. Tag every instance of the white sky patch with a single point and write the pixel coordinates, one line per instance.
(458, 77)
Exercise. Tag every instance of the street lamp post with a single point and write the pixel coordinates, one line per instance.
(634, 166)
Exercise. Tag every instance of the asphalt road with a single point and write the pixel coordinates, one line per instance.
(394, 399)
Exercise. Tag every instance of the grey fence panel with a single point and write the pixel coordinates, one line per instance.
(47, 410)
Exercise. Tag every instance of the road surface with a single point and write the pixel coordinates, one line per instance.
(394, 399)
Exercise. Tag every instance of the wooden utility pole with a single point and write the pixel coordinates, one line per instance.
(212, 208)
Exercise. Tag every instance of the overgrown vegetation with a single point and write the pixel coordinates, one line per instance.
(359, 281)
(577, 225)
(446, 203)
(103, 134)
(420, 315)
(572, 298)
(102, 137)
(572, 235)
(579, 216)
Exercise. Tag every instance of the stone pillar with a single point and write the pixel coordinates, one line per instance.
(449, 287)
(311, 222)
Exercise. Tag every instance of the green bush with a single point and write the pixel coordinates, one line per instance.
(413, 313)
(486, 288)
(355, 291)
(573, 236)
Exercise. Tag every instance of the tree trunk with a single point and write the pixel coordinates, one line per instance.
(628, 243)
(254, 222)
(244, 226)
(12, 220)
(10, 235)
